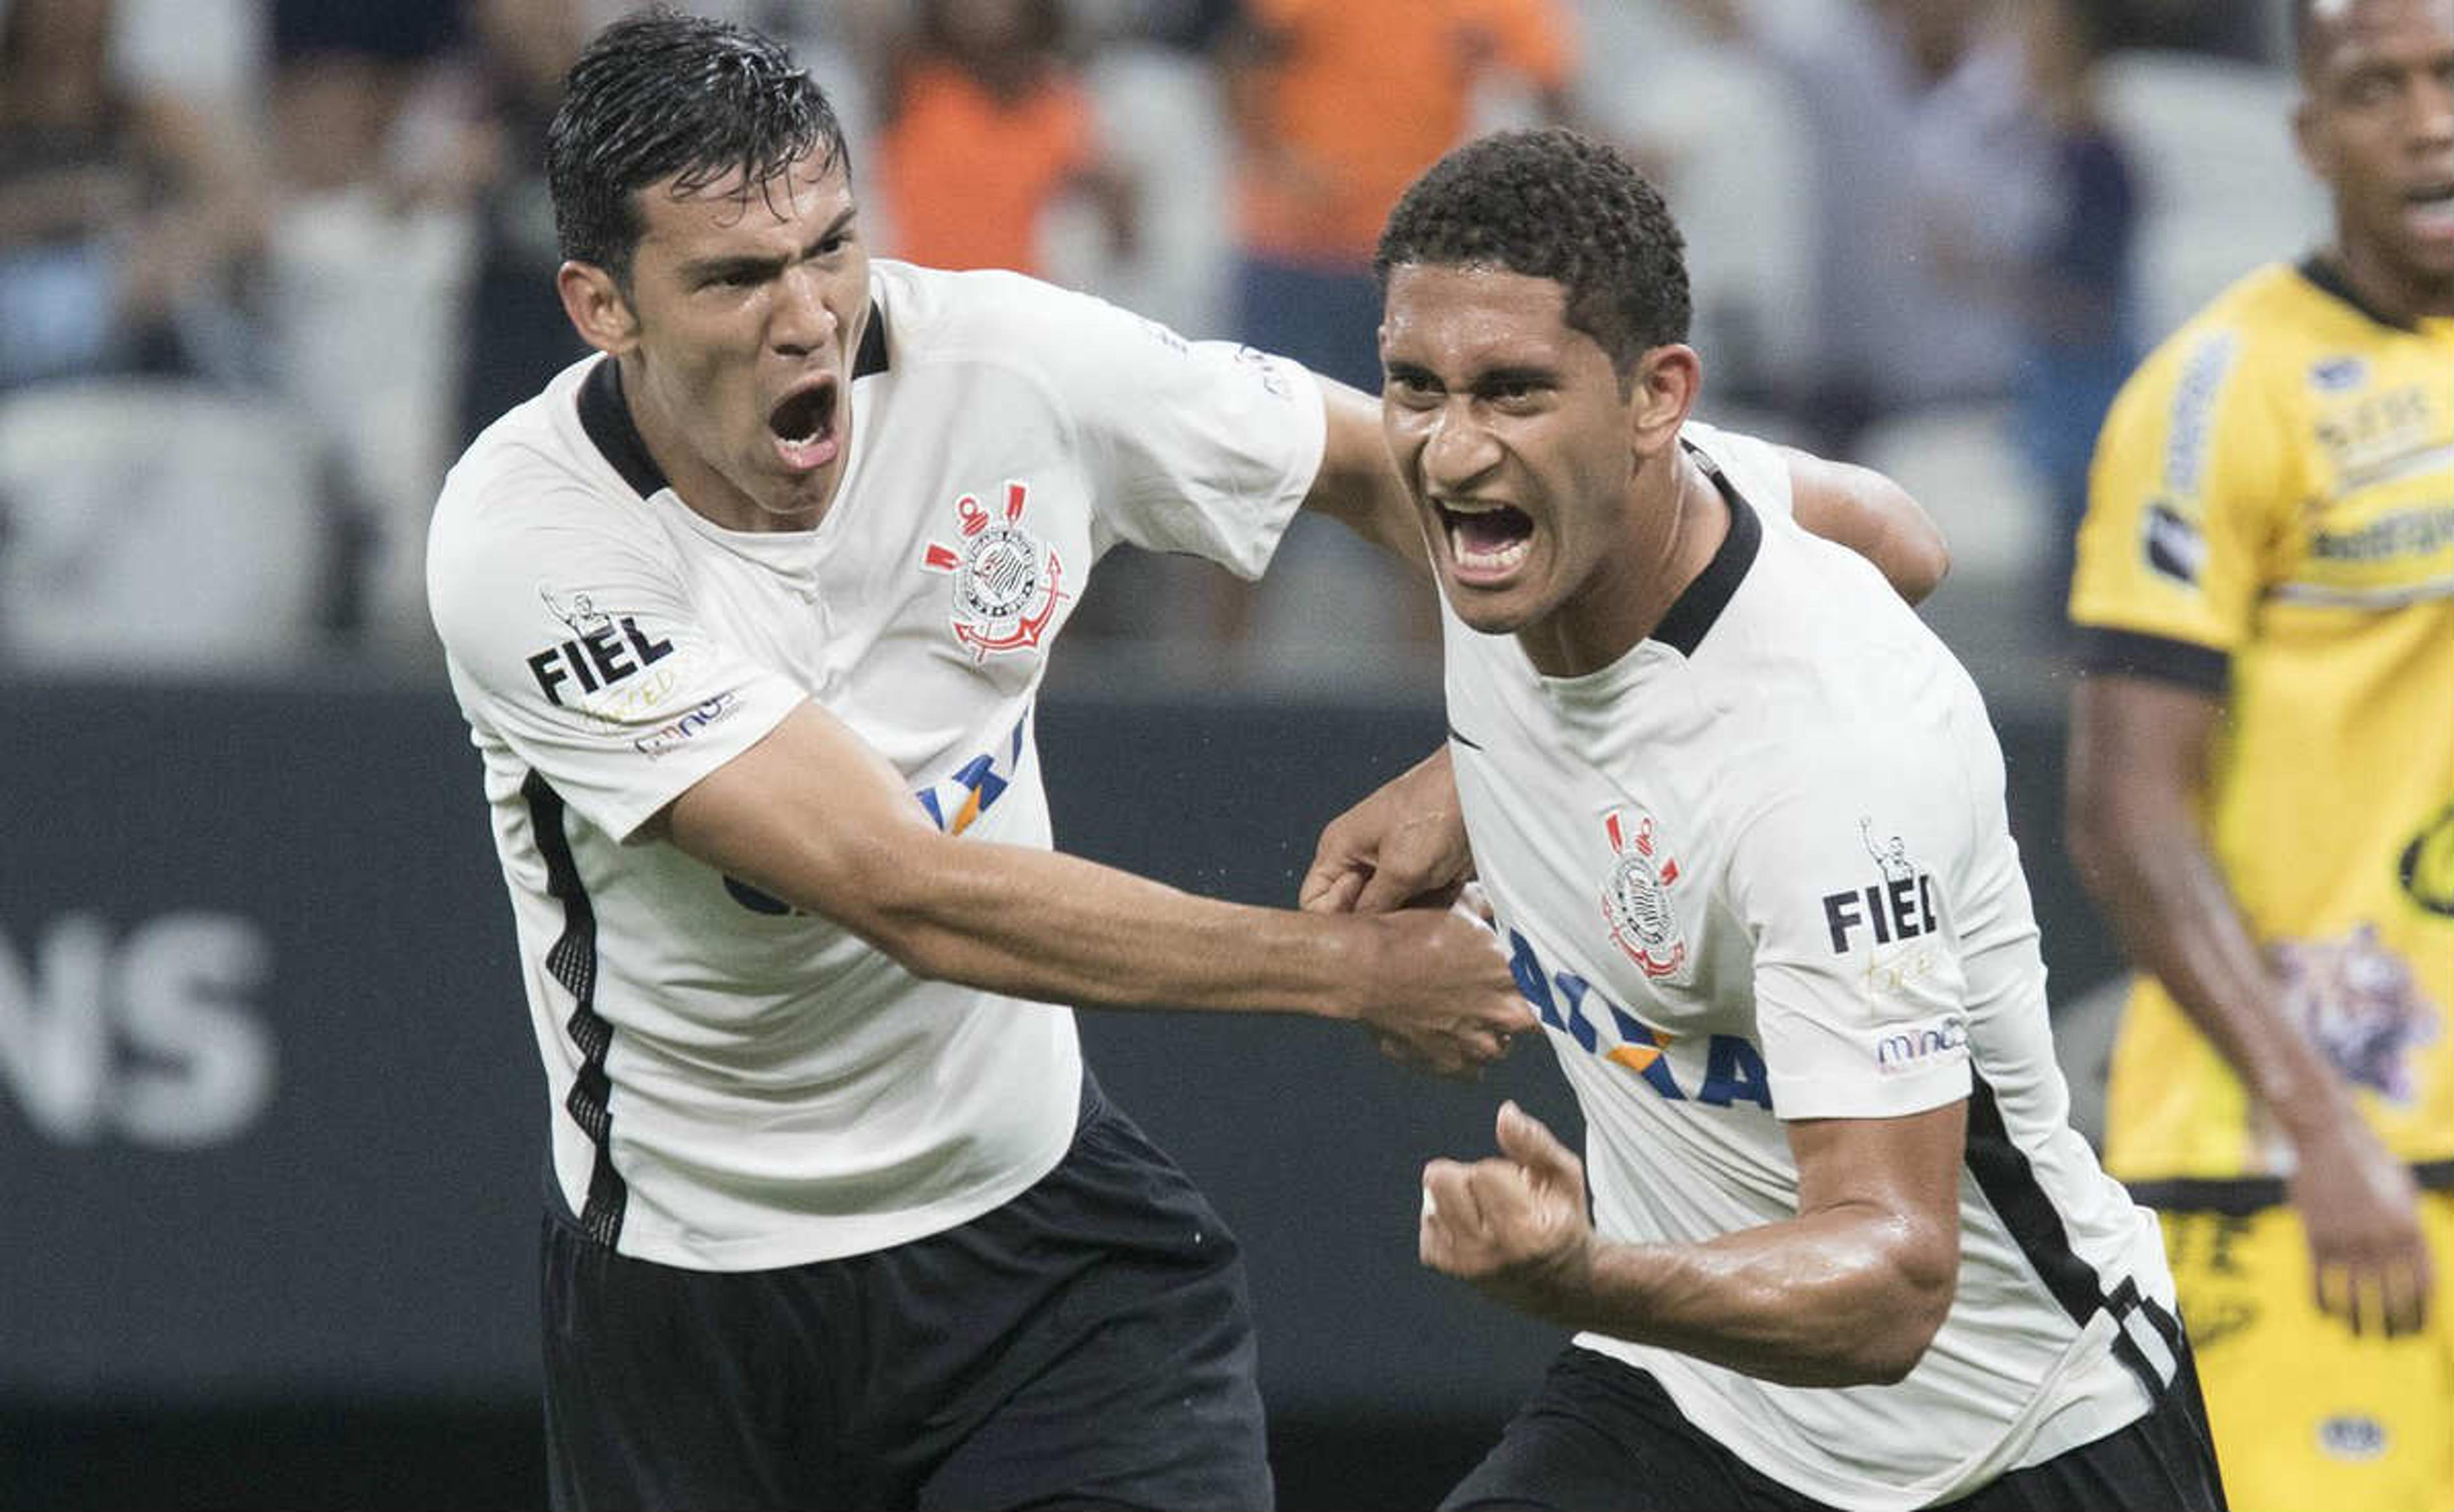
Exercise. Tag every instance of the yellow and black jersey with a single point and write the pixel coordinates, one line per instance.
(2271, 519)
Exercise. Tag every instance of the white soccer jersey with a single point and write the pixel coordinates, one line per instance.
(736, 1085)
(1759, 869)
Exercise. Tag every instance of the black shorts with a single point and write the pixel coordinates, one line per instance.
(1601, 1435)
(1090, 1341)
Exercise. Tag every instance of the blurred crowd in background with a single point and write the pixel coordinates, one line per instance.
(266, 266)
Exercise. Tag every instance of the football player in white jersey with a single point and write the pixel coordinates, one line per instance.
(747, 615)
(1739, 817)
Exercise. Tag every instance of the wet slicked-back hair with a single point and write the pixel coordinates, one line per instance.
(662, 94)
(1552, 204)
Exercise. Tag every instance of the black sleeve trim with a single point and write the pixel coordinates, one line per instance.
(2131, 654)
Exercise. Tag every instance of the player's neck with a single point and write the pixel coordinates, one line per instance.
(1676, 522)
(2393, 293)
(695, 480)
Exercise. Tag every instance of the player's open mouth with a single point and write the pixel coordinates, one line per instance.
(1485, 540)
(803, 423)
(2430, 210)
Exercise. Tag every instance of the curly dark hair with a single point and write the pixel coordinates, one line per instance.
(662, 94)
(1553, 204)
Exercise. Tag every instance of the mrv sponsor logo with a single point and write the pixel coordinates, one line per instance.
(668, 737)
(1912, 1049)
(150, 1035)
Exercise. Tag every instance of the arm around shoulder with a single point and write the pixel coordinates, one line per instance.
(1358, 485)
(1873, 516)
(813, 814)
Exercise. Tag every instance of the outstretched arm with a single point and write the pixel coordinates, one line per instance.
(2138, 761)
(816, 817)
(1849, 1292)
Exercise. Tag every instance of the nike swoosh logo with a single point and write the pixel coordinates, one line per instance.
(1457, 736)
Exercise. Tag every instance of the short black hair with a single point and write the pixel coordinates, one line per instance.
(661, 93)
(1553, 204)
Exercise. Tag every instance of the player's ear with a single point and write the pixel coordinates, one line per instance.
(1661, 391)
(2308, 134)
(598, 309)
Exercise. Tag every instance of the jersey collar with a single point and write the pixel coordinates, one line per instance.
(607, 419)
(2327, 275)
(1700, 604)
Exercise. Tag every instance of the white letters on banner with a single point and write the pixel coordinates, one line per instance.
(152, 1037)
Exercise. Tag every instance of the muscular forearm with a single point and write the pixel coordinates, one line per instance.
(815, 817)
(1042, 925)
(1843, 1297)
(2138, 755)
(2178, 921)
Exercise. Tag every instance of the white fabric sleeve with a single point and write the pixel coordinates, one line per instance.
(571, 638)
(1843, 881)
(1200, 447)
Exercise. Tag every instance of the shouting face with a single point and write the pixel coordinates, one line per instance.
(1522, 446)
(737, 328)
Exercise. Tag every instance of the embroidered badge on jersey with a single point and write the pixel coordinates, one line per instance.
(1636, 901)
(1008, 582)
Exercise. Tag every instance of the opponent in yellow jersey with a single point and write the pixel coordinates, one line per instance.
(2273, 522)
(2262, 797)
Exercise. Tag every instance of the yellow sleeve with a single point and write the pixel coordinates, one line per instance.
(2193, 485)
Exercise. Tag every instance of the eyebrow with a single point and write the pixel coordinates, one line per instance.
(1520, 376)
(1512, 375)
(709, 269)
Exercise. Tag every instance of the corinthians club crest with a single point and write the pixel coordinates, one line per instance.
(1007, 582)
(1636, 901)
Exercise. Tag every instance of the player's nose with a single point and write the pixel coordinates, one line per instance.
(1459, 449)
(803, 320)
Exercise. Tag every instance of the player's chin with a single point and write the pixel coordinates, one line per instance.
(797, 493)
(1488, 609)
(2421, 243)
